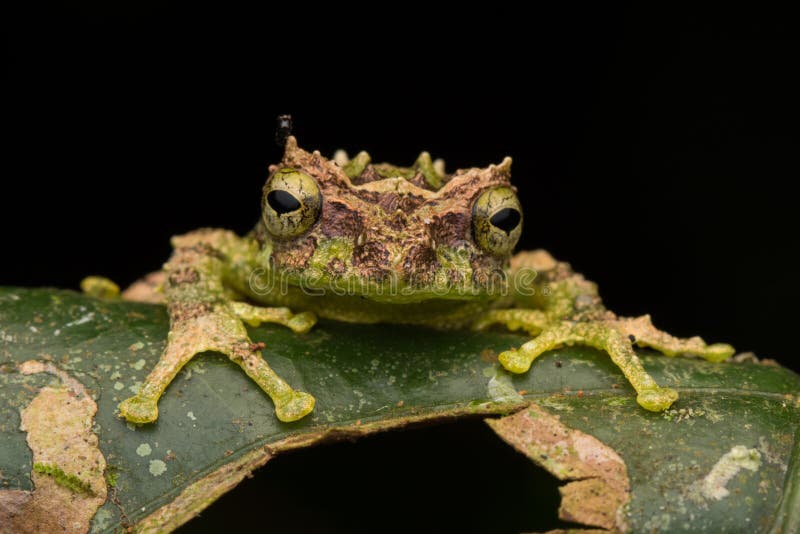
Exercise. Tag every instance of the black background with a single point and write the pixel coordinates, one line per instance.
(652, 150)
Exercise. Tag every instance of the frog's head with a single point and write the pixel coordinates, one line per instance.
(389, 233)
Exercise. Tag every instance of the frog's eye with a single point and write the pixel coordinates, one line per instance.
(497, 220)
(291, 204)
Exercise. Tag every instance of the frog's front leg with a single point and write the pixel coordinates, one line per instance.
(202, 319)
(570, 312)
(600, 336)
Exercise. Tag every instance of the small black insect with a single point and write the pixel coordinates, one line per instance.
(283, 129)
(632, 338)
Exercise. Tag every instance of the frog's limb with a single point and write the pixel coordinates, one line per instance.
(203, 319)
(573, 313)
(100, 287)
(600, 336)
(255, 315)
(182, 345)
(532, 321)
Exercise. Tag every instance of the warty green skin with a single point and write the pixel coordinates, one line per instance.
(362, 262)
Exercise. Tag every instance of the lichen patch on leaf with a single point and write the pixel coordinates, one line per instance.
(68, 465)
(713, 486)
(600, 486)
(157, 467)
(144, 449)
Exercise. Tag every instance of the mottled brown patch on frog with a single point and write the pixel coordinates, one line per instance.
(329, 175)
(340, 220)
(487, 272)
(182, 311)
(368, 196)
(295, 253)
(420, 264)
(369, 174)
(397, 221)
(336, 266)
(372, 259)
(419, 180)
(183, 275)
(389, 202)
(469, 189)
(204, 249)
(451, 228)
(410, 202)
(455, 276)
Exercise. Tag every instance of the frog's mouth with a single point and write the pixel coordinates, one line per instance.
(384, 286)
(385, 270)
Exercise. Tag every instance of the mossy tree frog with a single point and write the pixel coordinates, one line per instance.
(350, 240)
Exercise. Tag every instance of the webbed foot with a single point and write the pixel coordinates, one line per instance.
(139, 410)
(718, 352)
(302, 322)
(515, 361)
(607, 336)
(294, 406)
(656, 399)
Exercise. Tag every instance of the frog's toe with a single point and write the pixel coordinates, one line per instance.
(301, 323)
(656, 399)
(294, 406)
(139, 409)
(718, 352)
(99, 287)
(514, 361)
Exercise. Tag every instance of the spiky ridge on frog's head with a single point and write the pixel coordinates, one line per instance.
(388, 233)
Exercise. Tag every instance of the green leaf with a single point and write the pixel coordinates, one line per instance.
(726, 454)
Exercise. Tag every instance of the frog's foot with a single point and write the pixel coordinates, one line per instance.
(255, 315)
(138, 409)
(294, 406)
(602, 335)
(520, 360)
(656, 399)
(99, 287)
(203, 328)
(516, 361)
(645, 334)
(718, 352)
(302, 322)
(290, 405)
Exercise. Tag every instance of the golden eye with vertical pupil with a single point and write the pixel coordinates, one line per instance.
(291, 204)
(497, 220)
